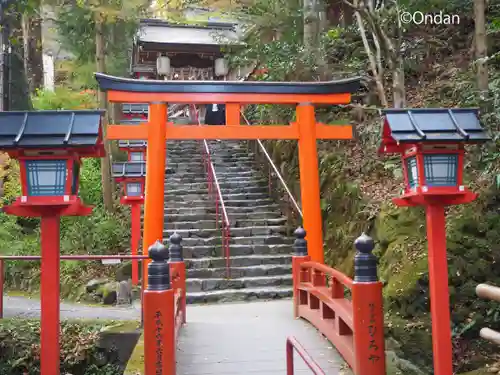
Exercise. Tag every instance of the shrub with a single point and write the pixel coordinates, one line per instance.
(20, 348)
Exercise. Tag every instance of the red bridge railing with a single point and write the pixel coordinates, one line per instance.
(291, 344)
(355, 324)
(163, 302)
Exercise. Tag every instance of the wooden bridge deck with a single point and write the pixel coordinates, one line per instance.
(249, 338)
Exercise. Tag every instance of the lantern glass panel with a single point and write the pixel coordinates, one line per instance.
(412, 171)
(134, 189)
(441, 170)
(136, 156)
(46, 177)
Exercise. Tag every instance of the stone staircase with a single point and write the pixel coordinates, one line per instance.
(259, 247)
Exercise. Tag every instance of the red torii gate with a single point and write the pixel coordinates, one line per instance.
(158, 129)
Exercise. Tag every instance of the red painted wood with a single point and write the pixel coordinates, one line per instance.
(159, 332)
(178, 277)
(368, 320)
(439, 293)
(135, 237)
(296, 269)
(49, 332)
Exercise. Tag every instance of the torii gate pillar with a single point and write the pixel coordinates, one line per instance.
(309, 181)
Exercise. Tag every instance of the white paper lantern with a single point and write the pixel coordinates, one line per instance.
(221, 67)
(163, 65)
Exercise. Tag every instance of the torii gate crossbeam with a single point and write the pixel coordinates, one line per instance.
(157, 130)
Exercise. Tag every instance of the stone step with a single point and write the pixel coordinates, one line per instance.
(234, 295)
(228, 160)
(250, 221)
(206, 285)
(259, 217)
(201, 183)
(170, 190)
(229, 203)
(238, 261)
(254, 240)
(203, 195)
(234, 232)
(189, 225)
(206, 250)
(210, 208)
(240, 272)
(255, 196)
(245, 173)
(201, 224)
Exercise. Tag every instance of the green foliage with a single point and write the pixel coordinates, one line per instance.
(76, 25)
(64, 98)
(20, 348)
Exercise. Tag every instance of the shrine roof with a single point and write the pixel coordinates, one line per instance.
(107, 82)
(129, 169)
(162, 32)
(50, 129)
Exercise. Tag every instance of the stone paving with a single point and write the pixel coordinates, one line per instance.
(23, 307)
(250, 338)
(226, 339)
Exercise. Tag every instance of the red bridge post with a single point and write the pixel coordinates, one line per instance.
(368, 311)
(158, 312)
(178, 269)
(300, 256)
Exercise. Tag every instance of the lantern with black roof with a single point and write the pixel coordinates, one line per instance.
(132, 176)
(135, 111)
(49, 146)
(431, 143)
(135, 149)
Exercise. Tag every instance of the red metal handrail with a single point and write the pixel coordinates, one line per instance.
(215, 192)
(292, 343)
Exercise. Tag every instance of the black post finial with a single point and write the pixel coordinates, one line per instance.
(175, 248)
(365, 263)
(300, 244)
(158, 269)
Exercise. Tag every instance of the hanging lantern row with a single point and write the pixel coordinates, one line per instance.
(163, 66)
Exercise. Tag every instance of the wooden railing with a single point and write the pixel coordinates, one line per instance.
(355, 324)
(490, 292)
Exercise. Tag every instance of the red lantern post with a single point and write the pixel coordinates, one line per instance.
(132, 177)
(431, 144)
(49, 146)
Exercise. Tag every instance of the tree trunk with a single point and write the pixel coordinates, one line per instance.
(15, 84)
(314, 22)
(33, 52)
(481, 44)
(377, 74)
(107, 187)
